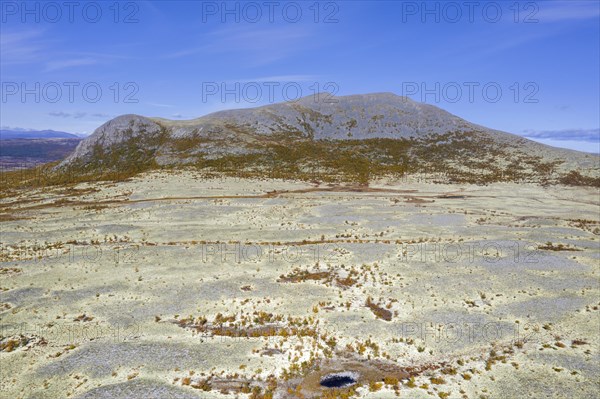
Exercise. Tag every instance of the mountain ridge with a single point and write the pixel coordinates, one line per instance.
(380, 130)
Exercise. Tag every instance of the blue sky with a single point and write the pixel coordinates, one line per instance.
(529, 68)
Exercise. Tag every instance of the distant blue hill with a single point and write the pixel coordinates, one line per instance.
(6, 134)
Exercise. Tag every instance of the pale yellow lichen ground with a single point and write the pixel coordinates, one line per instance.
(136, 256)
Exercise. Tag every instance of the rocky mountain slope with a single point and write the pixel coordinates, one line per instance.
(357, 136)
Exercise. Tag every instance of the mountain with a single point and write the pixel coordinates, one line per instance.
(357, 137)
(7, 134)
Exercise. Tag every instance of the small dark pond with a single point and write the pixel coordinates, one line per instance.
(338, 380)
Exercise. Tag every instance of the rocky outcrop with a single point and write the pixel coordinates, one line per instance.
(113, 133)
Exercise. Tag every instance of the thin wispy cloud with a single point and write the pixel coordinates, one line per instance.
(256, 46)
(99, 55)
(61, 114)
(508, 35)
(78, 115)
(560, 11)
(591, 135)
(69, 63)
(21, 47)
(279, 78)
(32, 47)
(160, 105)
(185, 52)
(492, 42)
(17, 129)
(78, 59)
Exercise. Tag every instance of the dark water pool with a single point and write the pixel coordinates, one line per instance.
(337, 381)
